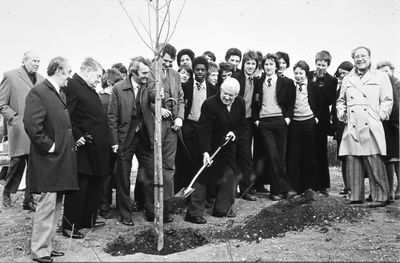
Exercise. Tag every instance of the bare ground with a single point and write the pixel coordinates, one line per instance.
(373, 237)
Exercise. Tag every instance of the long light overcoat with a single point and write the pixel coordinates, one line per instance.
(13, 90)
(46, 122)
(365, 102)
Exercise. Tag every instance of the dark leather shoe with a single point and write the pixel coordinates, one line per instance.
(378, 204)
(56, 253)
(249, 197)
(45, 259)
(29, 206)
(262, 190)
(99, 224)
(74, 234)
(290, 194)
(127, 222)
(276, 197)
(344, 192)
(195, 219)
(369, 198)
(324, 192)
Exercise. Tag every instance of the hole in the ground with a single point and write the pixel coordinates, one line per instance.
(175, 240)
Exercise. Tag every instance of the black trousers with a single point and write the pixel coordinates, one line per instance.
(301, 164)
(322, 181)
(109, 183)
(14, 176)
(260, 165)
(224, 199)
(274, 137)
(81, 207)
(246, 175)
(185, 170)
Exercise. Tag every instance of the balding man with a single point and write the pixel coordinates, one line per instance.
(221, 115)
(13, 90)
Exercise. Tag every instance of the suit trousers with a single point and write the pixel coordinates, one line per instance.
(81, 207)
(246, 175)
(185, 170)
(373, 165)
(145, 157)
(108, 183)
(322, 181)
(274, 136)
(225, 195)
(301, 164)
(45, 223)
(14, 176)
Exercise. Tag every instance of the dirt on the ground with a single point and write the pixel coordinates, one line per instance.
(308, 228)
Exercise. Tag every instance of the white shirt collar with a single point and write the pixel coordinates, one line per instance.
(203, 84)
(55, 85)
(135, 85)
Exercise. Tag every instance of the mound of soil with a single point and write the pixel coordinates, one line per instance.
(309, 209)
(175, 240)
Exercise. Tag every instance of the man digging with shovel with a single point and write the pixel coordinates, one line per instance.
(221, 117)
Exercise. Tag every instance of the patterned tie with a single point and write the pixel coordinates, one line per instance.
(269, 82)
(300, 86)
(251, 79)
(198, 85)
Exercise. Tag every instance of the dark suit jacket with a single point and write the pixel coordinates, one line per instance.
(285, 96)
(47, 121)
(188, 94)
(215, 122)
(121, 109)
(87, 116)
(327, 98)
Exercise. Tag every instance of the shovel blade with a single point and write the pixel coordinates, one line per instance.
(184, 192)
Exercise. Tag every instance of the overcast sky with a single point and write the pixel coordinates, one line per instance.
(99, 28)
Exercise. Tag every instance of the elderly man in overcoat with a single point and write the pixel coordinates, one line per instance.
(13, 90)
(52, 159)
(92, 136)
(365, 100)
(222, 115)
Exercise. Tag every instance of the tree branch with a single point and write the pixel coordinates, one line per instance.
(176, 22)
(134, 26)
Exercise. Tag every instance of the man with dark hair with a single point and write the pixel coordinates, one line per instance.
(326, 84)
(52, 159)
(185, 57)
(245, 77)
(132, 128)
(225, 71)
(172, 111)
(233, 56)
(90, 130)
(196, 91)
(121, 68)
(284, 62)
(210, 56)
(13, 89)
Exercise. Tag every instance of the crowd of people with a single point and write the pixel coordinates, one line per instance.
(268, 129)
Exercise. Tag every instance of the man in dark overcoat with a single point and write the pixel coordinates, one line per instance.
(222, 115)
(92, 136)
(52, 159)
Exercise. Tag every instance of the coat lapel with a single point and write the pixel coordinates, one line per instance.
(24, 76)
(60, 96)
(223, 108)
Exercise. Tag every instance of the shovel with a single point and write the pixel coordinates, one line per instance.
(185, 192)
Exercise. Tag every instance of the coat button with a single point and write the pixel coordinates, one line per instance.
(351, 97)
(365, 109)
(365, 96)
(354, 126)
(352, 111)
(366, 123)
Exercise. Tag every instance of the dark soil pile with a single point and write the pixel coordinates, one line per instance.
(310, 209)
(175, 240)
